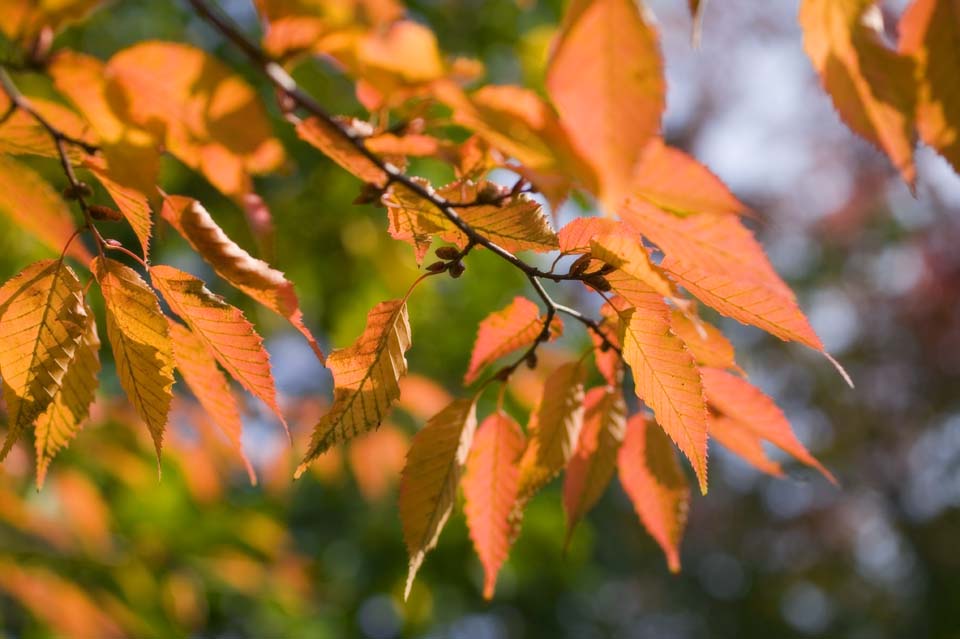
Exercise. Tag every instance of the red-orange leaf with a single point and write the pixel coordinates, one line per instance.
(490, 490)
(576, 235)
(376, 459)
(736, 398)
(223, 330)
(872, 87)
(254, 277)
(744, 442)
(706, 343)
(666, 377)
(338, 147)
(505, 331)
(428, 487)
(606, 78)
(654, 481)
(592, 465)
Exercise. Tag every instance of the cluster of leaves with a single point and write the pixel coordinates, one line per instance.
(671, 234)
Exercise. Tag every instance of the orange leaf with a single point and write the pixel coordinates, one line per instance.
(608, 361)
(140, 337)
(745, 404)
(376, 459)
(627, 253)
(590, 469)
(28, 200)
(744, 442)
(208, 384)
(575, 237)
(42, 324)
(705, 342)
(505, 331)
(930, 34)
(337, 146)
(366, 379)
(131, 202)
(223, 330)
(252, 276)
(490, 491)
(606, 78)
(21, 134)
(428, 486)
(654, 481)
(872, 87)
(666, 377)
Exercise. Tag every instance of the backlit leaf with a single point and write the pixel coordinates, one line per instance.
(654, 482)
(223, 330)
(428, 486)
(704, 341)
(140, 337)
(42, 323)
(29, 201)
(626, 252)
(575, 237)
(376, 459)
(366, 378)
(743, 442)
(132, 203)
(593, 463)
(338, 147)
(606, 79)
(872, 87)
(254, 277)
(21, 134)
(490, 491)
(745, 404)
(666, 377)
(505, 331)
(64, 417)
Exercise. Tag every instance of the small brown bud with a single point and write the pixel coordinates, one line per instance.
(104, 213)
(606, 268)
(580, 264)
(490, 193)
(436, 267)
(531, 360)
(113, 242)
(598, 282)
(77, 191)
(604, 346)
(447, 253)
(369, 194)
(457, 269)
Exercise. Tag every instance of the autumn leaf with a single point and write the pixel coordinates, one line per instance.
(666, 377)
(505, 331)
(743, 442)
(64, 417)
(223, 330)
(337, 146)
(42, 323)
(21, 134)
(607, 359)
(593, 463)
(29, 201)
(606, 79)
(365, 379)
(377, 459)
(930, 35)
(704, 341)
(254, 277)
(490, 491)
(654, 482)
(140, 337)
(132, 203)
(210, 387)
(626, 252)
(872, 87)
(575, 237)
(428, 486)
(746, 405)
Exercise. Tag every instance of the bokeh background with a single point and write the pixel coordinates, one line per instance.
(105, 548)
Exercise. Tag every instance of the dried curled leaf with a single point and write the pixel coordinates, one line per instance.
(223, 330)
(428, 486)
(254, 277)
(505, 331)
(654, 481)
(42, 323)
(140, 337)
(490, 491)
(63, 419)
(366, 378)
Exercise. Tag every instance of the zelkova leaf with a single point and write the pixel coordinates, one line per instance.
(223, 330)
(655, 483)
(705, 342)
(132, 203)
(366, 378)
(930, 35)
(749, 407)
(209, 385)
(140, 337)
(720, 262)
(428, 486)
(337, 146)
(666, 377)
(743, 442)
(28, 200)
(64, 417)
(872, 87)
(21, 134)
(593, 463)
(490, 491)
(608, 360)
(505, 331)
(606, 79)
(42, 322)
(575, 237)
(254, 277)
(626, 252)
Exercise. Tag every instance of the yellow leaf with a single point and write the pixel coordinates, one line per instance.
(366, 379)
(627, 253)
(428, 486)
(42, 322)
(140, 337)
(706, 343)
(21, 134)
(65, 416)
(27, 199)
(131, 201)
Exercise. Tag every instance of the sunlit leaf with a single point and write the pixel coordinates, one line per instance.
(338, 147)
(21, 134)
(132, 203)
(704, 341)
(376, 459)
(743, 442)
(575, 237)
(626, 252)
